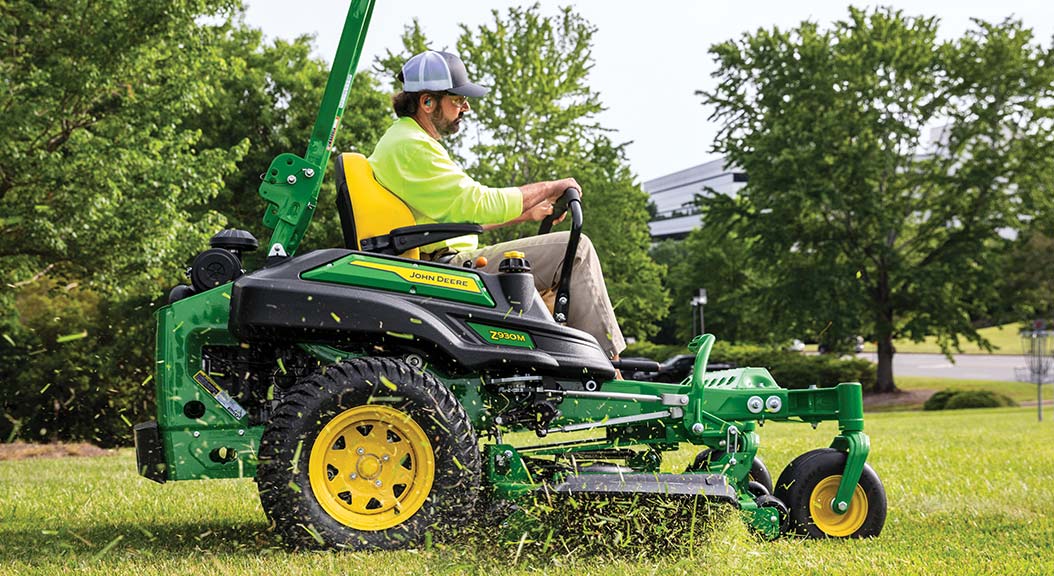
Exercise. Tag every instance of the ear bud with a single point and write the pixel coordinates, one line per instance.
(428, 101)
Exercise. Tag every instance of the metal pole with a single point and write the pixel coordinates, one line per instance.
(1037, 372)
(702, 303)
(1038, 350)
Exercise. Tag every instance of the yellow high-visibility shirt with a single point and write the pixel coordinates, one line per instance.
(417, 168)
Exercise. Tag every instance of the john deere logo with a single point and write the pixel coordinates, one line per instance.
(440, 279)
(503, 337)
(453, 281)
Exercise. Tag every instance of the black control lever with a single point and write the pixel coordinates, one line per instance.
(571, 200)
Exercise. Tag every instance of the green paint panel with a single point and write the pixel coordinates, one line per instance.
(192, 457)
(405, 277)
(183, 329)
(503, 336)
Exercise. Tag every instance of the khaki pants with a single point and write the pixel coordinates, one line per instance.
(591, 309)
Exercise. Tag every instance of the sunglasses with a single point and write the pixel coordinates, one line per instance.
(457, 100)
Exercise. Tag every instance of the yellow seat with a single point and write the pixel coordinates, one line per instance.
(375, 220)
(367, 209)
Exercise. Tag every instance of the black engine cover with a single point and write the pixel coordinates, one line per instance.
(275, 304)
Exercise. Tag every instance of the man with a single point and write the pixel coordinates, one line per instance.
(411, 163)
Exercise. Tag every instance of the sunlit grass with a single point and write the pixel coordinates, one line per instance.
(970, 492)
(1018, 391)
(1005, 339)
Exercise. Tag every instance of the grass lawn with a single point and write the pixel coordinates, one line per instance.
(1021, 392)
(970, 492)
(1004, 339)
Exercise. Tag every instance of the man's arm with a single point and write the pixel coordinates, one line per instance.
(534, 194)
(538, 201)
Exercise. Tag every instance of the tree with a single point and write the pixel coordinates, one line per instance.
(133, 132)
(538, 122)
(93, 156)
(1027, 287)
(713, 257)
(98, 183)
(831, 126)
(414, 41)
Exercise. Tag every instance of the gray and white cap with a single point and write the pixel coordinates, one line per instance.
(437, 72)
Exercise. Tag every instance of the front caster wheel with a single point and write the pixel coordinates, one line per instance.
(367, 454)
(808, 486)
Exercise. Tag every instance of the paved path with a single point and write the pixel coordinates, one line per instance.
(966, 366)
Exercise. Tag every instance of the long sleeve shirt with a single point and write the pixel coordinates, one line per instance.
(418, 169)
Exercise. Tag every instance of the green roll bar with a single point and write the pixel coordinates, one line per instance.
(291, 184)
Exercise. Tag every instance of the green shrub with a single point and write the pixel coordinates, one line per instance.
(795, 370)
(79, 369)
(961, 399)
(939, 400)
(657, 352)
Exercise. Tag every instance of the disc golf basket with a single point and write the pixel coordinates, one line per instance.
(1037, 345)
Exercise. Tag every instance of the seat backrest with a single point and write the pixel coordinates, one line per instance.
(366, 208)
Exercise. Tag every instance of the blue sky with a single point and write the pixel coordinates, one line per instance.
(648, 61)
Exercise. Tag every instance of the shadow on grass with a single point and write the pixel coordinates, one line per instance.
(550, 531)
(168, 538)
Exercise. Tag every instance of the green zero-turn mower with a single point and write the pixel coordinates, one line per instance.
(370, 394)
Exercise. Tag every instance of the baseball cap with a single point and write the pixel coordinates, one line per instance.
(438, 71)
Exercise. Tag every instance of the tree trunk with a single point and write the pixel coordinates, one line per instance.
(885, 365)
(884, 328)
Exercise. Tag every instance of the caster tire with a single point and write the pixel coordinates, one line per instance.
(808, 486)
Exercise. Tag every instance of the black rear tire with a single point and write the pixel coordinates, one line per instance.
(373, 406)
(807, 487)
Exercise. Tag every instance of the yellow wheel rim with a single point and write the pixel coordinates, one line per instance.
(371, 467)
(826, 519)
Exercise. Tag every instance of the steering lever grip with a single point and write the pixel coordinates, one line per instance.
(559, 207)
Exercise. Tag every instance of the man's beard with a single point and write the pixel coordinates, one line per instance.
(443, 126)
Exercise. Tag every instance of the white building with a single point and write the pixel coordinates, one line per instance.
(674, 195)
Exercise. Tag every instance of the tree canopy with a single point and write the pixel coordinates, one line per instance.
(103, 193)
(889, 165)
(97, 175)
(132, 132)
(268, 95)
